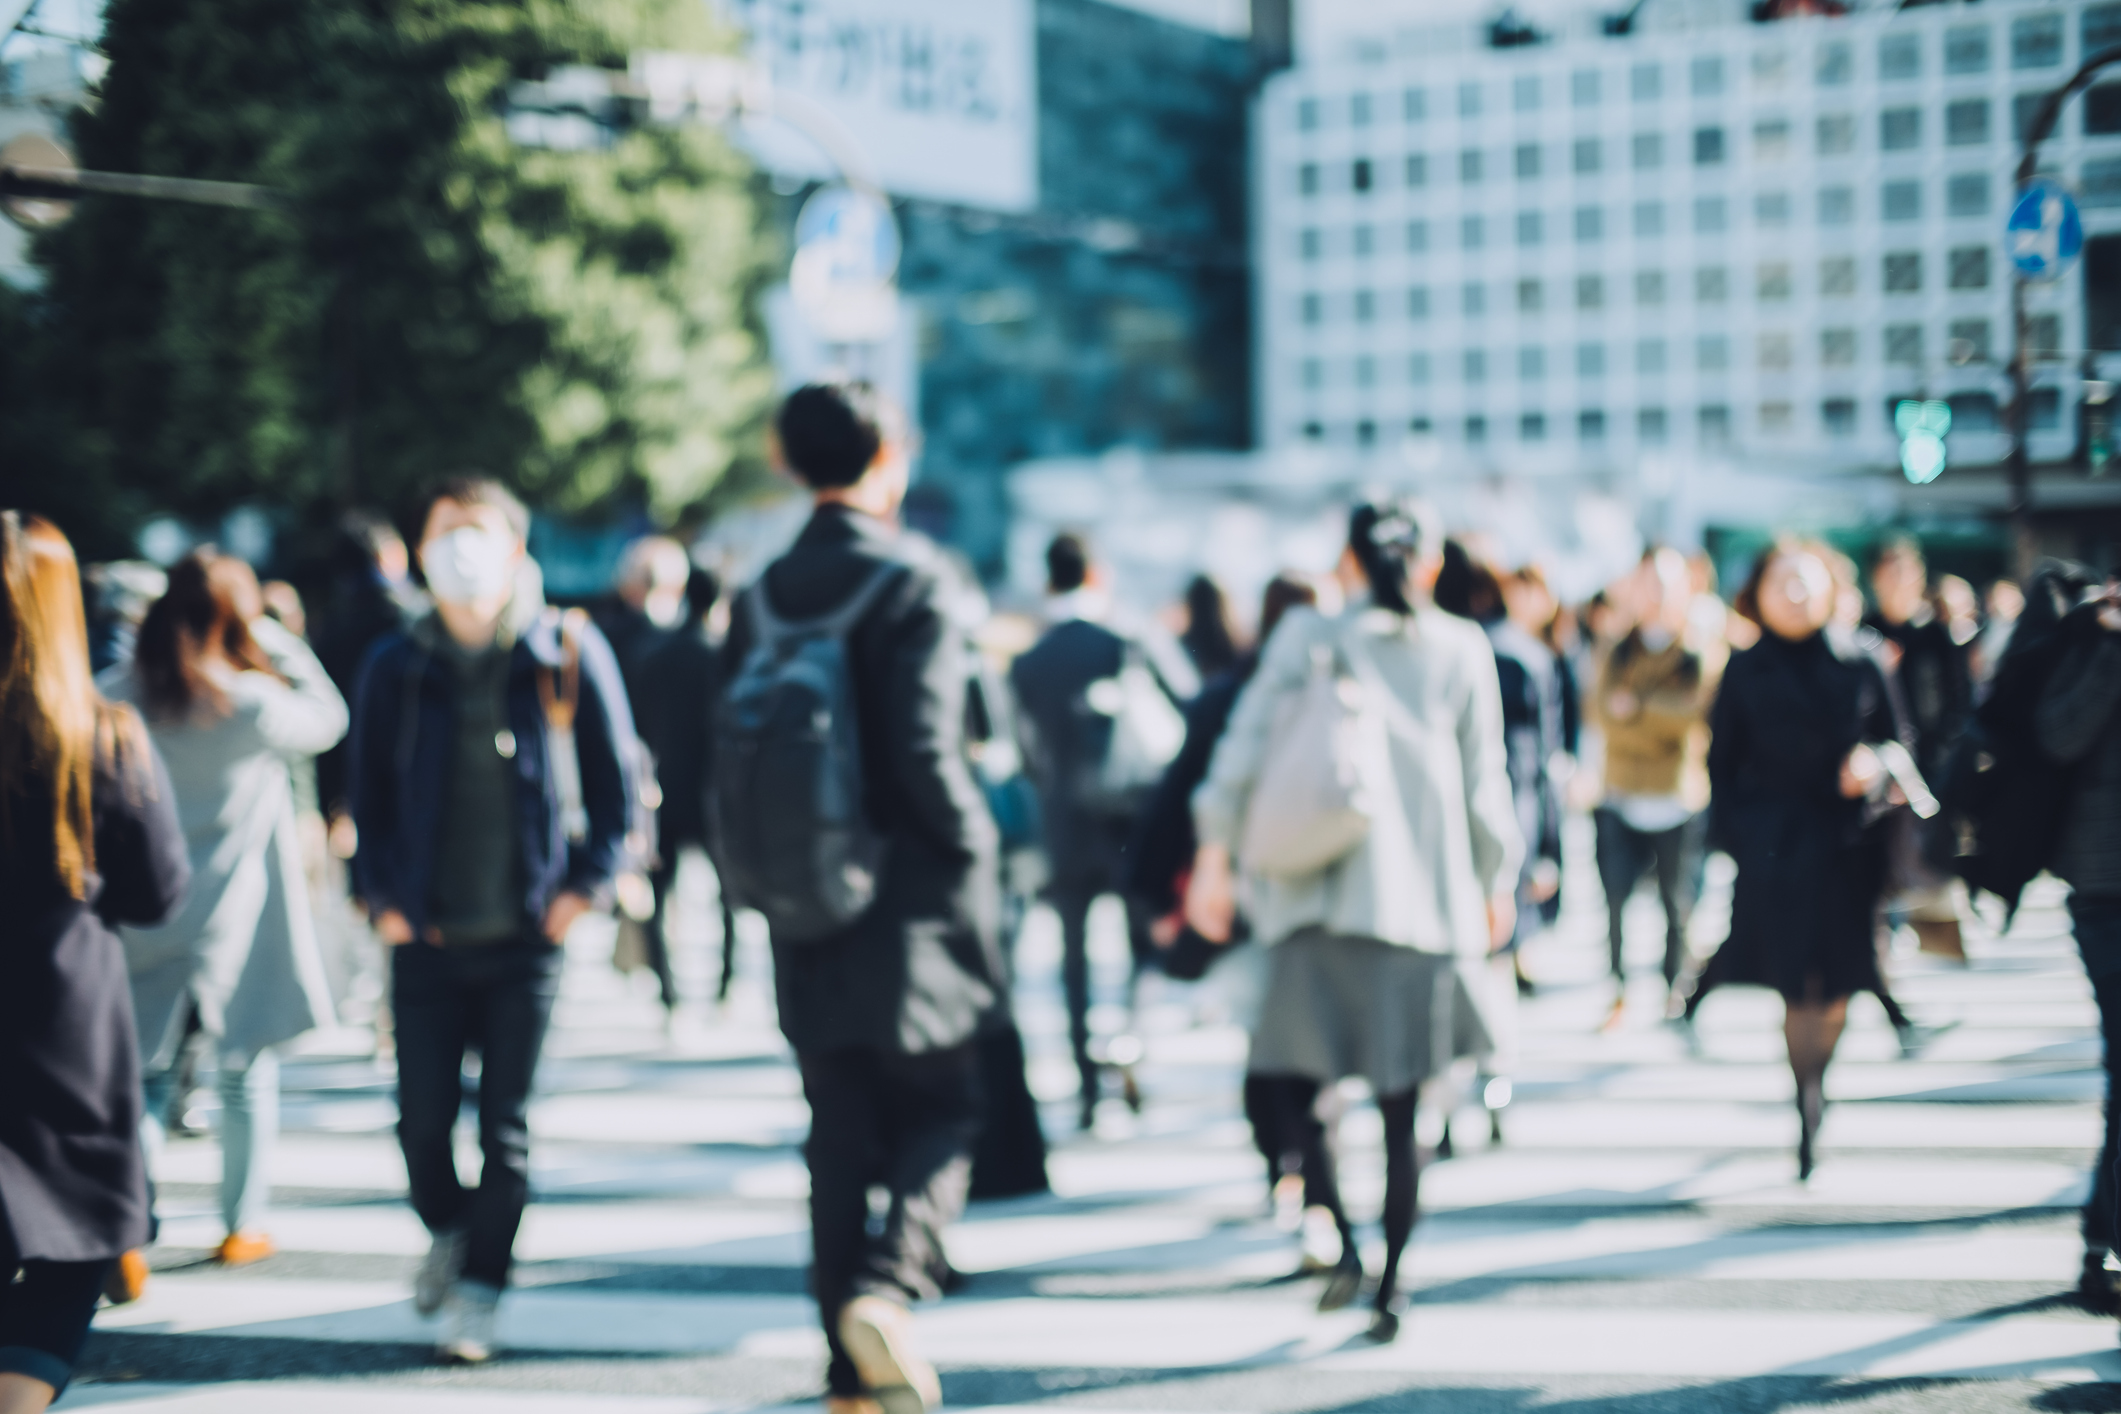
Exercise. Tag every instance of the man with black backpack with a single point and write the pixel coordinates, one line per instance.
(1101, 700)
(845, 810)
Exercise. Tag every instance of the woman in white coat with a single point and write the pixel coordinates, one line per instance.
(1377, 941)
(231, 699)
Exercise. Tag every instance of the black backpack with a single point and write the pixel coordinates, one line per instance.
(2003, 798)
(795, 839)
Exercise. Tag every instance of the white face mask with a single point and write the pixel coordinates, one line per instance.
(468, 565)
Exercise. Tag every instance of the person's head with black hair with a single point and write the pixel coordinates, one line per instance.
(846, 443)
(1068, 563)
(703, 588)
(1395, 550)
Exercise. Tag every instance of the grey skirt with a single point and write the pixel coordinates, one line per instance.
(1337, 1006)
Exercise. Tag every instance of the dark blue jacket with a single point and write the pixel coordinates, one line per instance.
(403, 727)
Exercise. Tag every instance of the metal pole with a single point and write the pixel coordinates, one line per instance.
(62, 183)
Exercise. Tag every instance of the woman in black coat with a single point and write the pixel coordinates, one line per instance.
(88, 838)
(1797, 793)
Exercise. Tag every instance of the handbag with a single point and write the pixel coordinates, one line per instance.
(1314, 801)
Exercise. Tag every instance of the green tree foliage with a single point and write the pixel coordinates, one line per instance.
(435, 297)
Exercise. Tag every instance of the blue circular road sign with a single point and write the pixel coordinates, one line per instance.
(2045, 232)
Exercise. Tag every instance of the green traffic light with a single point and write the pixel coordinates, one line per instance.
(1923, 425)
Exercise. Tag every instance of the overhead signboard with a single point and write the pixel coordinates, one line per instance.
(939, 96)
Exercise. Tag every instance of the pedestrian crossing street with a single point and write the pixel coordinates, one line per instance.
(1636, 1244)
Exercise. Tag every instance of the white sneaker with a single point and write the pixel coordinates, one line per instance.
(438, 1272)
(468, 1338)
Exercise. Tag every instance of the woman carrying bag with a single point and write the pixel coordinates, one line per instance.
(1362, 790)
(232, 699)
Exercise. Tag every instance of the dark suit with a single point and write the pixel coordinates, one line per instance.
(883, 1016)
(679, 682)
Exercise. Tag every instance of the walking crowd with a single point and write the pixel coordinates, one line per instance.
(1360, 807)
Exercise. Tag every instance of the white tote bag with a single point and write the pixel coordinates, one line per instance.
(1315, 798)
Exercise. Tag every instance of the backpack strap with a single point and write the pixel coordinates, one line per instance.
(560, 690)
(770, 627)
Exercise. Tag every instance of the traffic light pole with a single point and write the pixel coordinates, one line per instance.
(2020, 467)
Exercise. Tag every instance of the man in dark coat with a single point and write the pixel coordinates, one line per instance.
(884, 1014)
(1086, 840)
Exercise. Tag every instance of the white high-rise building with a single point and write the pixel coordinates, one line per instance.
(1711, 250)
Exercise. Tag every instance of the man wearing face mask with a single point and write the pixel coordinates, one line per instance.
(471, 872)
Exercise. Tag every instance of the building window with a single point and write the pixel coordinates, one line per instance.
(1839, 415)
(2046, 413)
(1708, 147)
(1771, 140)
(1901, 201)
(1418, 369)
(1532, 427)
(2023, 107)
(1417, 170)
(1307, 179)
(1590, 360)
(1651, 427)
(1590, 425)
(1899, 129)
(1418, 302)
(1529, 228)
(1469, 100)
(1837, 348)
(1524, 93)
(1711, 214)
(1776, 419)
(1772, 208)
(1771, 69)
(1648, 151)
(1974, 412)
(1307, 115)
(1966, 50)
(1903, 344)
(1583, 88)
(1649, 355)
(1365, 372)
(1531, 297)
(1359, 110)
(1967, 194)
(1417, 236)
(2099, 28)
(1899, 57)
(1527, 161)
(1774, 282)
(1836, 65)
(2036, 42)
(1314, 432)
(1969, 341)
(1476, 365)
(1966, 122)
(1313, 374)
(1714, 420)
(1476, 430)
(1649, 288)
(1837, 134)
(2102, 109)
(1531, 363)
(1473, 299)
(1365, 307)
(1646, 83)
(1472, 232)
(1967, 267)
(1590, 224)
(1469, 166)
(1365, 239)
(1712, 353)
(1705, 76)
(1587, 155)
(1314, 309)
(1649, 218)
(1837, 277)
(1712, 285)
(1903, 272)
(1837, 206)
(1366, 433)
(1414, 105)
(1774, 350)
(1590, 292)
(2043, 336)
(2099, 184)
(1359, 174)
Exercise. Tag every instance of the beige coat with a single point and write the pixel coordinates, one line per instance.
(1433, 858)
(1661, 747)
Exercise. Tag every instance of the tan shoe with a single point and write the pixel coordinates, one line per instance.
(127, 1280)
(835, 1404)
(878, 1335)
(240, 1249)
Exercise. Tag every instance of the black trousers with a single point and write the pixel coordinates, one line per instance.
(903, 1126)
(44, 1318)
(2098, 927)
(494, 998)
(1073, 903)
(1625, 854)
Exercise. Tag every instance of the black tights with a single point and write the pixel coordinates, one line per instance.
(1290, 1103)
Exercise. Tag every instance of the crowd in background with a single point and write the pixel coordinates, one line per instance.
(389, 810)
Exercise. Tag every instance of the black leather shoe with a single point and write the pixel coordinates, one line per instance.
(2099, 1287)
(1344, 1285)
(1384, 1327)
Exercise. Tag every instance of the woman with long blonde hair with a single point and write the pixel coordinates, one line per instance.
(88, 839)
